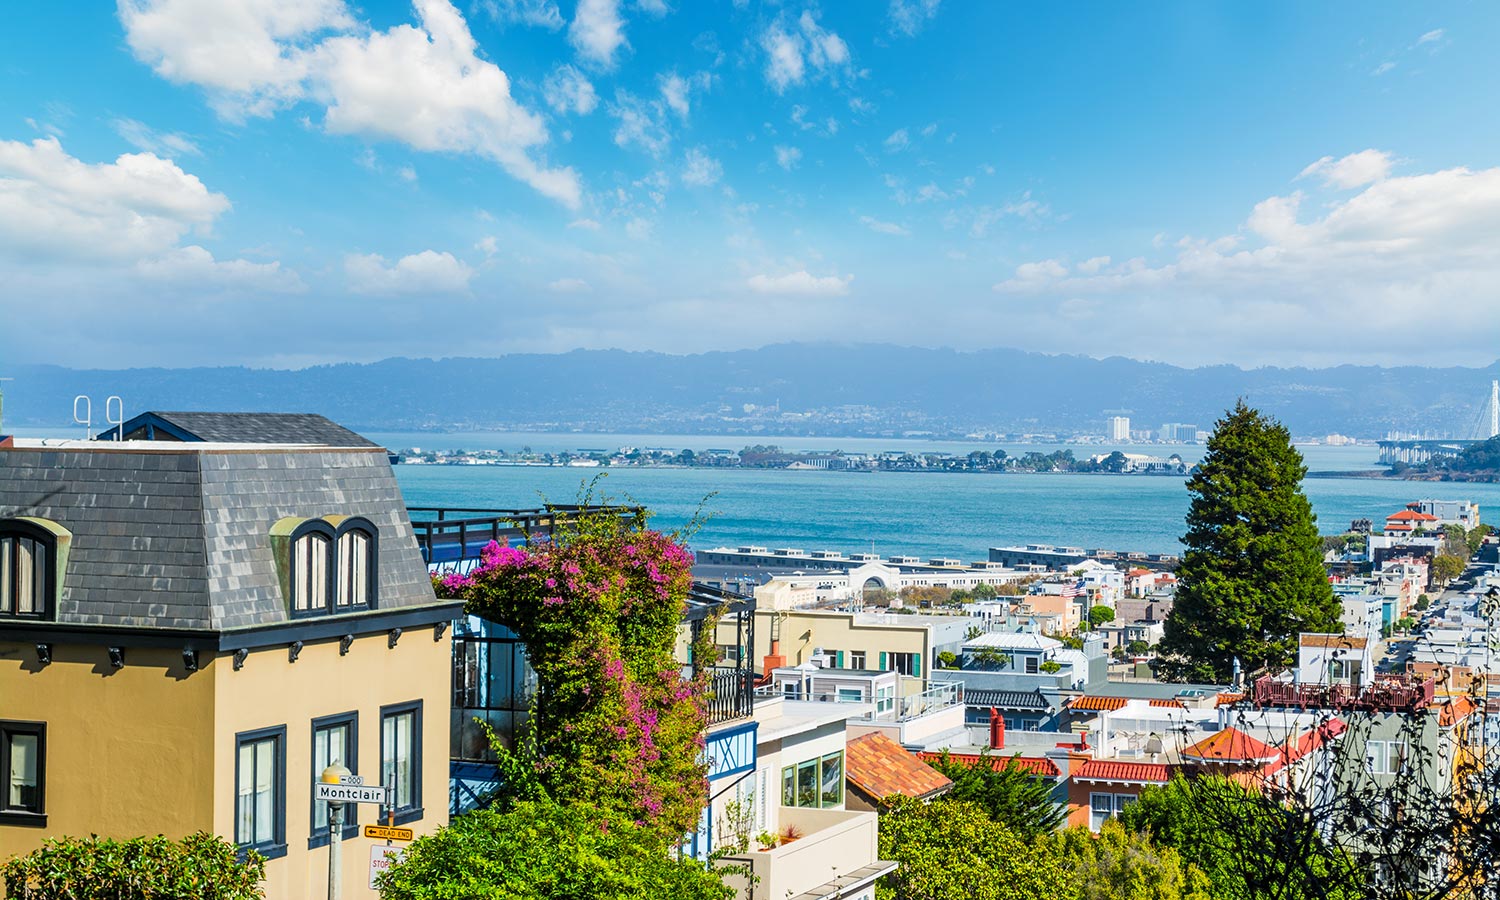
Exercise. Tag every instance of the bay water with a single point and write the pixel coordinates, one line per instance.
(917, 513)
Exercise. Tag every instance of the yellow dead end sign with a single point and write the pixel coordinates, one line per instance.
(387, 833)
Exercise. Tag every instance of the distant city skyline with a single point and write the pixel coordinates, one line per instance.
(296, 182)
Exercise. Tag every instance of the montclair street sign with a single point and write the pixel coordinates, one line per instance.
(349, 793)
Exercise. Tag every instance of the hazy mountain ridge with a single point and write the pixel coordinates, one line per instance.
(830, 389)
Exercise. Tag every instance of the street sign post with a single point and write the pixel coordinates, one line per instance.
(387, 833)
(349, 793)
(382, 857)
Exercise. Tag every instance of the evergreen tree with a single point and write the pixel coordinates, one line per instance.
(1252, 576)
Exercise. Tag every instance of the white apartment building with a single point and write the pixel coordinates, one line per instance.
(1118, 429)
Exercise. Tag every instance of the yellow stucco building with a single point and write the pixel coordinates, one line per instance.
(194, 622)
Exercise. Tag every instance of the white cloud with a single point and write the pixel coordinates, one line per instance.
(488, 245)
(598, 31)
(899, 140)
(586, 224)
(428, 272)
(567, 89)
(802, 283)
(794, 49)
(407, 174)
(1093, 265)
(1391, 266)
(536, 13)
(876, 225)
(641, 123)
(427, 88)
(250, 55)
(676, 91)
(1383, 68)
(787, 157)
(657, 8)
(423, 85)
(163, 143)
(1352, 171)
(1435, 34)
(138, 206)
(699, 169)
(639, 229)
(196, 267)
(569, 286)
(908, 16)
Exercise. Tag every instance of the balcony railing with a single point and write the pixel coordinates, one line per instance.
(731, 694)
(1391, 694)
(945, 695)
(450, 536)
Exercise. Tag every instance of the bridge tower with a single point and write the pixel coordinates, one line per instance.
(1494, 408)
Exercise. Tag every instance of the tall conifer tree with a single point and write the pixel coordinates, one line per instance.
(1252, 576)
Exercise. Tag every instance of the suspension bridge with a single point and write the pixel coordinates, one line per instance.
(1485, 424)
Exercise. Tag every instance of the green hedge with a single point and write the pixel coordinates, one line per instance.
(201, 866)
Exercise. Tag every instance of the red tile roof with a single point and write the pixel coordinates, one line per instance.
(1456, 710)
(1113, 770)
(1170, 701)
(1410, 515)
(1107, 704)
(1036, 765)
(880, 767)
(1231, 746)
(1227, 699)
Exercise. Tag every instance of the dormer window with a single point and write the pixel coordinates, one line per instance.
(330, 564)
(311, 559)
(27, 569)
(354, 584)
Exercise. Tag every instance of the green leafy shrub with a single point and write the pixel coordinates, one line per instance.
(540, 851)
(201, 866)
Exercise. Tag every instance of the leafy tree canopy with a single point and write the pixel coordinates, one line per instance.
(951, 850)
(1252, 576)
(1250, 846)
(1010, 794)
(541, 851)
(1101, 615)
(1119, 864)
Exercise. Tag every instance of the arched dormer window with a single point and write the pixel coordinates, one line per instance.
(354, 578)
(312, 555)
(30, 566)
(327, 565)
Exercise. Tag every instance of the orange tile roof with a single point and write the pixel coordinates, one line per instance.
(1227, 698)
(1036, 765)
(1233, 746)
(1456, 710)
(1170, 701)
(1410, 515)
(1112, 770)
(1335, 641)
(1097, 704)
(880, 767)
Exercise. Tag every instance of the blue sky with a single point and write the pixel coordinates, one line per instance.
(291, 182)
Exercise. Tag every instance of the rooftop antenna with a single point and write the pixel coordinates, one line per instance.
(2, 406)
(117, 420)
(87, 420)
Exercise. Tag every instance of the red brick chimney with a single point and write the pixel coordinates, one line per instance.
(773, 660)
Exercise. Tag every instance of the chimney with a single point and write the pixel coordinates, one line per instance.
(997, 730)
(773, 660)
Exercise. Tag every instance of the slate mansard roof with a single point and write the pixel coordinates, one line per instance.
(177, 535)
(238, 428)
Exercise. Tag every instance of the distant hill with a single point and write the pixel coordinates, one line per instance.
(824, 389)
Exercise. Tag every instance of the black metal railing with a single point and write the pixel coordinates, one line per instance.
(731, 694)
(450, 534)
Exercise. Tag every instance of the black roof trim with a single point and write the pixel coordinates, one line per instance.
(1006, 699)
(237, 428)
